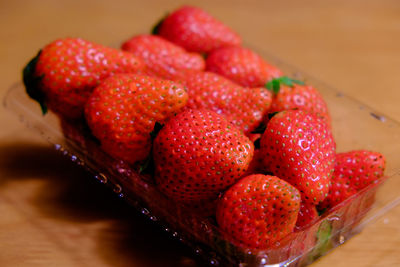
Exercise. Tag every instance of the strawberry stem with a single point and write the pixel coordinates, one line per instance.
(32, 83)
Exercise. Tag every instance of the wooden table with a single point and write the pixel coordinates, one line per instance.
(53, 214)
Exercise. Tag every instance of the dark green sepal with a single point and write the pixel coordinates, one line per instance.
(270, 115)
(275, 84)
(257, 143)
(148, 164)
(323, 240)
(156, 28)
(260, 129)
(32, 83)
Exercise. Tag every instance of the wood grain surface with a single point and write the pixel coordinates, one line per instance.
(54, 214)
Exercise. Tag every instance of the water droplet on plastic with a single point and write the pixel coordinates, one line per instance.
(334, 218)
(166, 229)
(341, 239)
(174, 234)
(102, 178)
(117, 188)
(57, 146)
(121, 195)
(263, 261)
(153, 218)
(73, 158)
(145, 211)
(198, 251)
(214, 262)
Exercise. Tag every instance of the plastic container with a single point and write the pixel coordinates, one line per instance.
(355, 126)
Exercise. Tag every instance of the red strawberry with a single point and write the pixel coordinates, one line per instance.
(163, 58)
(354, 171)
(298, 147)
(293, 94)
(123, 109)
(244, 107)
(64, 73)
(199, 153)
(339, 191)
(196, 30)
(361, 167)
(256, 164)
(308, 213)
(242, 66)
(258, 211)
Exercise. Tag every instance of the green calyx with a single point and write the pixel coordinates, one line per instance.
(156, 28)
(275, 84)
(260, 129)
(323, 240)
(32, 83)
(148, 164)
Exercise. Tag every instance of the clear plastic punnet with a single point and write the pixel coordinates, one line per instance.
(355, 126)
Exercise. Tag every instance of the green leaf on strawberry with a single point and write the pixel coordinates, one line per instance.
(31, 82)
(148, 164)
(323, 243)
(275, 84)
(156, 28)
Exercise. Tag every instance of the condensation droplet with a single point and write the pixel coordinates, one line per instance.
(102, 178)
(334, 218)
(117, 188)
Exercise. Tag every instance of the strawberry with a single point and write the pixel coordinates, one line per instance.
(258, 211)
(339, 191)
(354, 170)
(255, 166)
(64, 73)
(123, 109)
(197, 154)
(294, 94)
(361, 167)
(244, 107)
(196, 30)
(163, 58)
(242, 66)
(308, 214)
(298, 147)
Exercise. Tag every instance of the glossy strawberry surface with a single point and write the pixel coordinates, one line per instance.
(123, 109)
(198, 154)
(244, 107)
(299, 96)
(163, 58)
(361, 167)
(307, 215)
(299, 147)
(196, 30)
(258, 211)
(241, 65)
(354, 170)
(67, 70)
